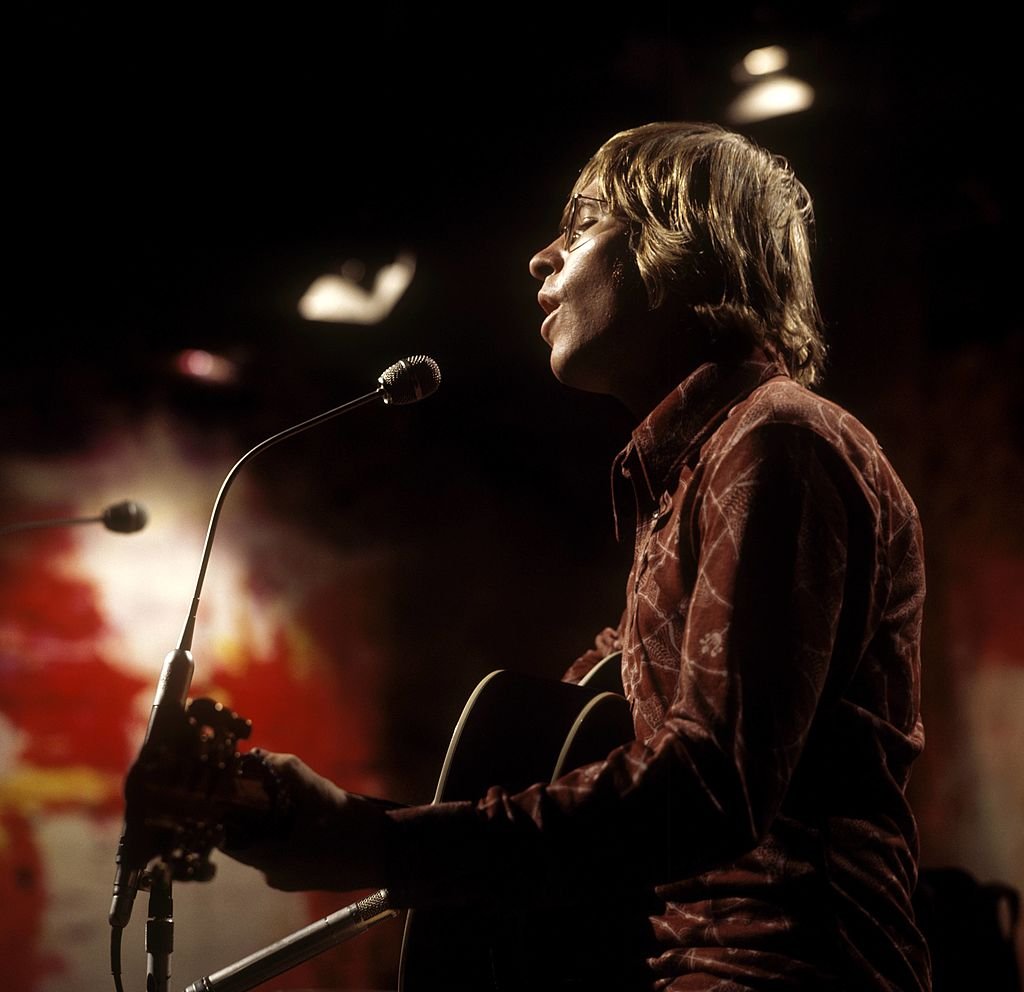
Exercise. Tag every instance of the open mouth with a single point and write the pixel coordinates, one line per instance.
(545, 327)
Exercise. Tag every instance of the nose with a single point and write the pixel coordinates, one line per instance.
(547, 260)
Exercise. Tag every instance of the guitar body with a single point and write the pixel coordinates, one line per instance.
(515, 731)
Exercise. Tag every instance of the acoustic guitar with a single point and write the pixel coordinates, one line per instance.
(515, 730)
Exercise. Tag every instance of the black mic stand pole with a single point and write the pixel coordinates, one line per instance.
(159, 930)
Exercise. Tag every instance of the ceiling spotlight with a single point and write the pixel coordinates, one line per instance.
(761, 61)
(765, 89)
(773, 97)
(339, 298)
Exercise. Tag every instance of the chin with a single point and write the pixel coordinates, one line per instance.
(576, 375)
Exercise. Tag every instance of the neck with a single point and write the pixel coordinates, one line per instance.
(665, 368)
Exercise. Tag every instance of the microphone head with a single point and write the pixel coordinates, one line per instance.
(410, 380)
(125, 517)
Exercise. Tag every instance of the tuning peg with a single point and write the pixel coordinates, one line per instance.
(206, 712)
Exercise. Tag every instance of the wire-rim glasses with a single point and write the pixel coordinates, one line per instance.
(582, 213)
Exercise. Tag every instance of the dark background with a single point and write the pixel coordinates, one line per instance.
(177, 181)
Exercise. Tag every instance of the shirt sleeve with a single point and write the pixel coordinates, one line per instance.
(770, 532)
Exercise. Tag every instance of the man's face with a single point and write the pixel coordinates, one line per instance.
(594, 300)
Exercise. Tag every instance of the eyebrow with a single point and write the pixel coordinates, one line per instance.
(567, 209)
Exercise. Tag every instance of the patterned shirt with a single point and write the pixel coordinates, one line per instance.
(771, 661)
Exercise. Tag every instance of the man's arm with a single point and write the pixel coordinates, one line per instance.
(772, 537)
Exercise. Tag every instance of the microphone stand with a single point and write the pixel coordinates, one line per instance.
(407, 381)
(177, 671)
(41, 524)
(125, 517)
(159, 930)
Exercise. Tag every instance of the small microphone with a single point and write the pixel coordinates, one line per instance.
(407, 381)
(125, 517)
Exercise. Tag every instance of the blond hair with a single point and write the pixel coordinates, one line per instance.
(722, 224)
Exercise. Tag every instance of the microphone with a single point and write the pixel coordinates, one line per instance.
(410, 380)
(125, 517)
(405, 382)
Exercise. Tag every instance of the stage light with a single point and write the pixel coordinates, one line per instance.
(765, 89)
(339, 298)
(772, 97)
(761, 61)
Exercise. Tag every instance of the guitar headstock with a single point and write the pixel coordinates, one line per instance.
(183, 794)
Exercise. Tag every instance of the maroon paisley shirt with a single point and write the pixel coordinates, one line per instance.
(771, 660)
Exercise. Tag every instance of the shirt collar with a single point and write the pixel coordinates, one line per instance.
(683, 420)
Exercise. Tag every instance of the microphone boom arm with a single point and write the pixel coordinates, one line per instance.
(188, 629)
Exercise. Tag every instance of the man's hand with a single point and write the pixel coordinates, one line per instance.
(608, 641)
(328, 839)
